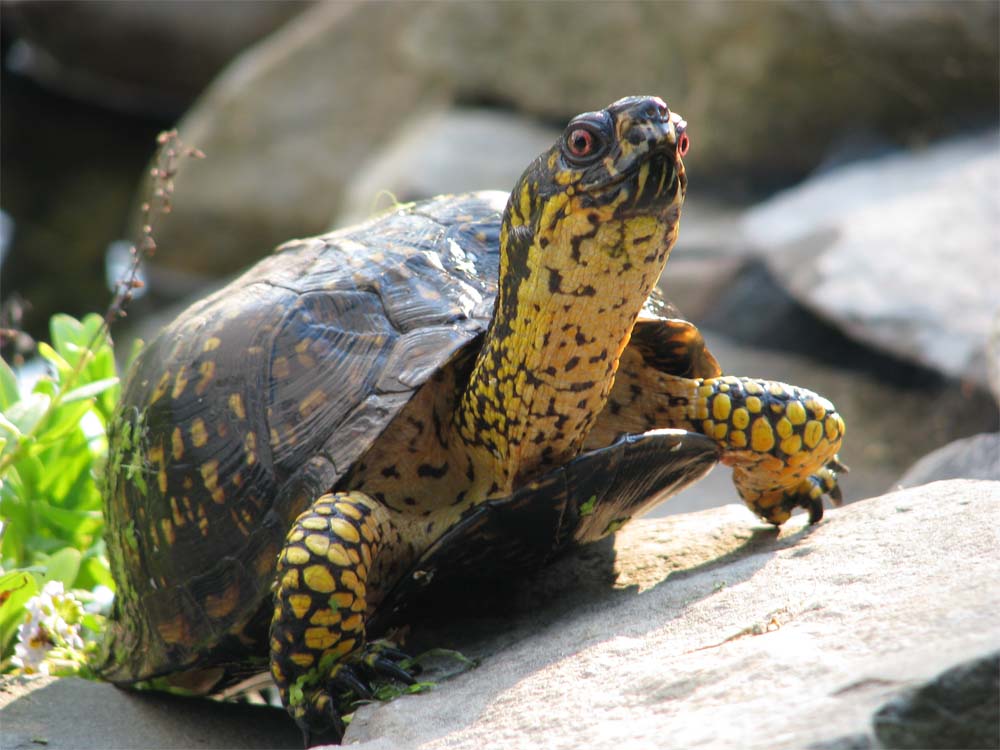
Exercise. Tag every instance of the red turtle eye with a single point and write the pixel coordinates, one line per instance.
(580, 142)
(683, 143)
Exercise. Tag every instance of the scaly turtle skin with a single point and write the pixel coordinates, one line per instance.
(442, 391)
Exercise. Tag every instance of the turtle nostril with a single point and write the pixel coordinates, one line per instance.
(656, 110)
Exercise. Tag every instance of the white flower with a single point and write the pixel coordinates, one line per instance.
(52, 621)
(100, 601)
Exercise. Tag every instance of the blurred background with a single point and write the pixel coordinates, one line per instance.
(842, 229)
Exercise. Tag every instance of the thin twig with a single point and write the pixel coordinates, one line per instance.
(156, 205)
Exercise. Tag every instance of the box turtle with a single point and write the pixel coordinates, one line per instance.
(455, 388)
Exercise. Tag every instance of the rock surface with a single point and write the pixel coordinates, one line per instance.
(449, 151)
(283, 128)
(958, 708)
(71, 714)
(294, 118)
(721, 635)
(976, 457)
(704, 630)
(137, 55)
(900, 252)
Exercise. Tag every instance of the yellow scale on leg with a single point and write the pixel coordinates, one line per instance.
(781, 441)
(321, 600)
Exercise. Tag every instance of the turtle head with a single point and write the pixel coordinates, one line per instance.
(629, 153)
(610, 165)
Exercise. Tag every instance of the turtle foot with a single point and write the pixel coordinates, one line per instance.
(382, 660)
(810, 493)
(357, 678)
(776, 506)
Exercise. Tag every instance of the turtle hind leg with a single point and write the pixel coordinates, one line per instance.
(318, 647)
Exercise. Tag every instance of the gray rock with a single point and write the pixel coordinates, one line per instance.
(284, 128)
(900, 252)
(72, 714)
(957, 709)
(976, 457)
(136, 55)
(763, 86)
(718, 634)
(709, 256)
(706, 629)
(993, 359)
(448, 151)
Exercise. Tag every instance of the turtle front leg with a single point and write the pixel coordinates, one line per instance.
(781, 440)
(318, 645)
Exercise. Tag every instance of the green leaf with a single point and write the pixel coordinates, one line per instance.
(31, 472)
(63, 566)
(94, 571)
(63, 420)
(46, 386)
(9, 428)
(9, 393)
(94, 623)
(73, 524)
(63, 367)
(72, 487)
(16, 588)
(68, 334)
(54, 445)
(91, 326)
(90, 390)
(28, 411)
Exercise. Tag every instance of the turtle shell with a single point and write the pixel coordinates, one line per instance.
(260, 398)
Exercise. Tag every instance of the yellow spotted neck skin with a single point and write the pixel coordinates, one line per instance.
(549, 361)
(576, 266)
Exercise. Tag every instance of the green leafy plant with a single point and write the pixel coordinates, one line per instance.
(54, 574)
(53, 446)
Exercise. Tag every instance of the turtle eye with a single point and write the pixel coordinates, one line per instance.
(582, 144)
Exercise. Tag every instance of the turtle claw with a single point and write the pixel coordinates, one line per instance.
(836, 465)
(321, 724)
(384, 648)
(346, 679)
(836, 496)
(387, 668)
(383, 660)
(809, 495)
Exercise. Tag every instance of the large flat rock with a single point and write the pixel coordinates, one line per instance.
(71, 714)
(721, 635)
(700, 630)
(295, 118)
(899, 252)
